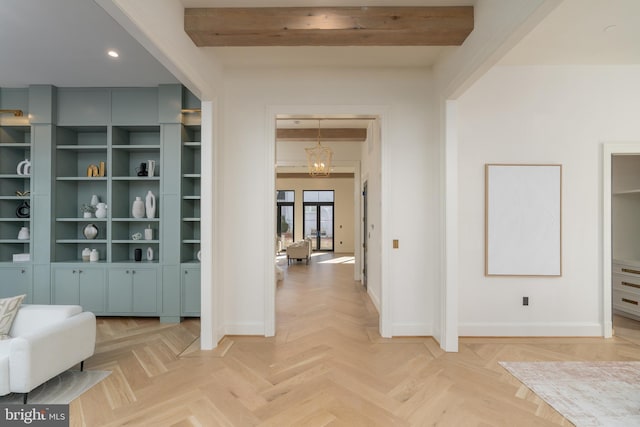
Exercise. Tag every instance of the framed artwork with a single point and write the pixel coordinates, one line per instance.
(523, 220)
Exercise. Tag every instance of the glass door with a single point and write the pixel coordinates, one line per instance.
(319, 219)
(284, 219)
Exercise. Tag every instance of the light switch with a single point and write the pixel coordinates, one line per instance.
(395, 243)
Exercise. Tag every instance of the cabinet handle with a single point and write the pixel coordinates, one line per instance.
(127, 271)
(633, 285)
(133, 272)
(23, 271)
(630, 301)
(630, 270)
(73, 272)
(79, 271)
(186, 272)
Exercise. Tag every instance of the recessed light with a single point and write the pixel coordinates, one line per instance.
(112, 53)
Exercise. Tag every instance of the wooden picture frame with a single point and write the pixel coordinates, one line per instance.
(523, 220)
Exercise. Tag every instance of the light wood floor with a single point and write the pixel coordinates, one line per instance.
(327, 365)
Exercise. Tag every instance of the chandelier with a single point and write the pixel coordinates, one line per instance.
(319, 158)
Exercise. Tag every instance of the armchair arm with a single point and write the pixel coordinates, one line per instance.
(39, 356)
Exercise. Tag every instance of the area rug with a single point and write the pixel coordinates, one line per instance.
(586, 393)
(61, 389)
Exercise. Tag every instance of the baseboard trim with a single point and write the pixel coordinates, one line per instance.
(374, 299)
(244, 329)
(412, 330)
(569, 329)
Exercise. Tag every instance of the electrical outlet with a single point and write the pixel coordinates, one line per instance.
(525, 300)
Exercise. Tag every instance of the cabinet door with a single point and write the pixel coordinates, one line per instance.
(144, 290)
(15, 281)
(190, 291)
(66, 286)
(92, 295)
(120, 291)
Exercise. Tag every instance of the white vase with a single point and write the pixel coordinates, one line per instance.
(86, 254)
(23, 234)
(137, 210)
(94, 200)
(101, 210)
(90, 231)
(151, 167)
(151, 205)
(87, 215)
(94, 256)
(148, 233)
(149, 253)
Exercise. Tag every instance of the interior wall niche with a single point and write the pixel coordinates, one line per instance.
(523, 213)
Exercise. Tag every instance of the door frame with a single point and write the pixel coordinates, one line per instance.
(608, 150)
(382, 114)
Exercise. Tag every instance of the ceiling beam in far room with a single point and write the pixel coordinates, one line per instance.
(311, 134)
(329, 26)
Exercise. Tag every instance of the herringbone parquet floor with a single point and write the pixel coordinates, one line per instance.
(327, 365)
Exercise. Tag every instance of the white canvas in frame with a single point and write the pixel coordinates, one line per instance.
(523, 220)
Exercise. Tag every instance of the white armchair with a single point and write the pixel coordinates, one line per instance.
(299, 251)
(45, 340)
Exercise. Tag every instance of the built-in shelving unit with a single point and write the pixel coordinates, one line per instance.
(76, 149)
(85, 142)
(190, 212)
(15, 202)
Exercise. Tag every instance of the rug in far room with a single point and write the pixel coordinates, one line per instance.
(588, 394)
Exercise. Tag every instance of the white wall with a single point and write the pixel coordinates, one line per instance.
(409, 205)
(541, 115)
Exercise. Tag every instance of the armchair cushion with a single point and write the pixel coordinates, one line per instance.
(8, 310)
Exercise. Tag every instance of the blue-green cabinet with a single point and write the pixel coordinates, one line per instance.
(81, 284)
(190, 290)
(16, 281)
(133, 290)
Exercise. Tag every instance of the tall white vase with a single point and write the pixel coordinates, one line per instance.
(137, 210)
(151, 204)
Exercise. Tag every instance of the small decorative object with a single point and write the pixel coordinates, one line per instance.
(21, 257)
(198, 255)
(137, 254)
(148, 233)
(151, 204)
(24, 168)
(23, 210)
(142, 169)
(86, 254)
(94, 255)
(90, 231)
(136, 236)
(87, 210)
(137, 210)
(23, 234)
(94, 200)
(149, 253)
(101, 210)
(92, 170)
(152, 167)
(101, 169)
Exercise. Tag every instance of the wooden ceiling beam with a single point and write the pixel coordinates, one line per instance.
(329, 26)
(326, 134)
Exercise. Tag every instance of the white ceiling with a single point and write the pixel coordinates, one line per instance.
(594, 32)
(64, 42)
